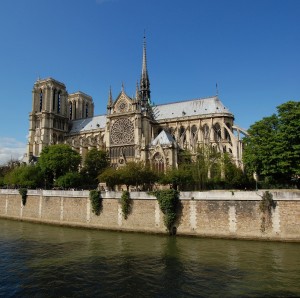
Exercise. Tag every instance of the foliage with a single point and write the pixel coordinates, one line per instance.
(29, 176)
(206, 166)
(265, 206)
(179, 178)
(96, 201)
(57, 160)
(95, 162)
(110, 176)
(23, 193)
(132, 174)
(168, 201)
(125, 203)
(267, 203)
(272, 149)
(69, 180)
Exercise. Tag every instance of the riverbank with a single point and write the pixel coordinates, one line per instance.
(215, 214)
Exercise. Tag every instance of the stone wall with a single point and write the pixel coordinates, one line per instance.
(222, 214)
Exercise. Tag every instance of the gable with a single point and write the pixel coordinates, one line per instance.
(122, 104)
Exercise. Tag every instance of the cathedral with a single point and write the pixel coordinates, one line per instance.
(133, 129)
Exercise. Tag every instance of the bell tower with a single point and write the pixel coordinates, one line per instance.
(49, 116)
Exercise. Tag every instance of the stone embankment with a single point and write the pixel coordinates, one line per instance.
(218, 214)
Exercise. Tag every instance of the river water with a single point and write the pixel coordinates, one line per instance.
(48, 261)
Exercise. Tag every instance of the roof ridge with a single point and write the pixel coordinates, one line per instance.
(187, 100)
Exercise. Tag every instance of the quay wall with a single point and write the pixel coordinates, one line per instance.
(217, 214)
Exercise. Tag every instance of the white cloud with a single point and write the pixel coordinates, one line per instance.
(10, 148)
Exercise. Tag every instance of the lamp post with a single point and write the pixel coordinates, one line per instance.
(255, 176)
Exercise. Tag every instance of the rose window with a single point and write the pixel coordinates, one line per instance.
(122, 132)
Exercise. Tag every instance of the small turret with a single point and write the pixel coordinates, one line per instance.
(109, 101)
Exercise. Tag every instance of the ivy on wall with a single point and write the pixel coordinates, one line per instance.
(125, 204)
(23, 193)
(168, 201)
(266, 205)
(96, 201)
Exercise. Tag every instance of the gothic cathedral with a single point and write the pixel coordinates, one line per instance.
(133, 129)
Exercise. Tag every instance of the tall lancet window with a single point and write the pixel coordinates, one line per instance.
(58, 102)
(53, 100)
(71, 111)
(86, 110)
(41, 100)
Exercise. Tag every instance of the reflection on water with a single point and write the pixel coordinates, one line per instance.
(47, 261)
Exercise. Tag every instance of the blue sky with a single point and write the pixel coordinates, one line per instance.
(250, 48)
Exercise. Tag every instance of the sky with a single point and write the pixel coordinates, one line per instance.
(249, 48)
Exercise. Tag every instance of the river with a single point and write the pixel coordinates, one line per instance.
(49, 261)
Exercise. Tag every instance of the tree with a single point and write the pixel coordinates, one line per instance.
(57, 160)
(207, 166)
(272, 149)
(95, 162)
(29, 176)
(69, 180)
(180, 178)
(110, 176)
(132, 174)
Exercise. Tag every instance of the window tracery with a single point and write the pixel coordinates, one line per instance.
(122, 132)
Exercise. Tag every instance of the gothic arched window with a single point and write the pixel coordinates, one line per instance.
(206, 133)
(217, 132)
(158, 163)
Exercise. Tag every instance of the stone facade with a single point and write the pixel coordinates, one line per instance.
(133, 129)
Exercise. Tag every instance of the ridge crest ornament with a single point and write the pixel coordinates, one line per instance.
(122, 132)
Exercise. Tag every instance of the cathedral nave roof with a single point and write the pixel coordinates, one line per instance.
(195, 107)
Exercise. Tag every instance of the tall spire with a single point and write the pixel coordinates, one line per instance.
(145, 83)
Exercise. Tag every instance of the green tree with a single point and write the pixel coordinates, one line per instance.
(95, 162)
(110, 176)
(181, 178)
(28, 176)
(272, 149)
(69, 180)
(132, 174)
(57, 160)
(207, 166)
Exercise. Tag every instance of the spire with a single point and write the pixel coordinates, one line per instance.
(110, 100)
(145, 83)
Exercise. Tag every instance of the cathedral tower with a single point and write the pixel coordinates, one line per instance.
(49, 116)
